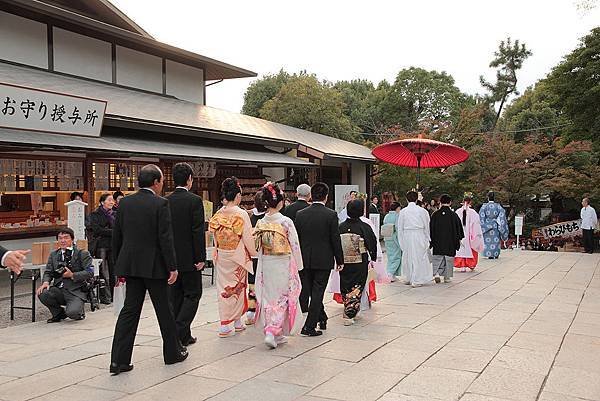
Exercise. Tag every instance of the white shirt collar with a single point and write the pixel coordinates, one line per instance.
(322, 203)
(182, 188)
(150, 189)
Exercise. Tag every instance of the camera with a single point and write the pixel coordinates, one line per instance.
(60, 269)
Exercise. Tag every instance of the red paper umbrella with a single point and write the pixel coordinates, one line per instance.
(420, 152)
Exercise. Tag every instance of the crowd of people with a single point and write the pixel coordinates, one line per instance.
(273, 265)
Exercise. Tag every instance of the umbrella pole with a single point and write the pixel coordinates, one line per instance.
(418, 173)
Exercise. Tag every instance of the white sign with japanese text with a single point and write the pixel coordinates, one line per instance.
(565, 229)
(519, 225)
(37, 110)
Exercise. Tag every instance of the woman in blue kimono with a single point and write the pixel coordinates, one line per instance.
(494, 226)
(392, 246)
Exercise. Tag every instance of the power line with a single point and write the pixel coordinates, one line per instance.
(482, 133)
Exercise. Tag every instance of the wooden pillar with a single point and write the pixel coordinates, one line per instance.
(345, 179)
(89, 184)
(369, 180)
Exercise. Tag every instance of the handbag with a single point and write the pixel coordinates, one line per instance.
(371, 274)
(387, 230)
(119, 297)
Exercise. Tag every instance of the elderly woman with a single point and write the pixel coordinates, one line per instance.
(101, 222)
(277, 280)
(234, 248)
(392, 246)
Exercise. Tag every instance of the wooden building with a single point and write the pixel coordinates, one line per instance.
(87, 97)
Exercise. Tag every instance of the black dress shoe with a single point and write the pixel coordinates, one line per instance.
(323, 325)
(182, 356)
(310, 332)
(115, 368)
(55, 319)
(190, 341)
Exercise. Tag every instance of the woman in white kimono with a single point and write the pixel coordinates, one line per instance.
(472, 244)
(414, 239)
(277, 283)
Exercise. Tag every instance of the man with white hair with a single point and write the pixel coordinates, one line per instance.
(303, 194)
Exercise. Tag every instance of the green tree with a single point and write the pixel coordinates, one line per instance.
(355, 95)
(305, 102)
(533, 112)
(508, 59)
(262, 90)
(575, 86)
(421, 99)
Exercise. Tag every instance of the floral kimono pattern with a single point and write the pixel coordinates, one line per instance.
(277, 280)
(234, 247)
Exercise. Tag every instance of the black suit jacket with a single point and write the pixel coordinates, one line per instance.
(292, 210)
(187, 214)
(319, 235)
(3, 250)
(143, 237)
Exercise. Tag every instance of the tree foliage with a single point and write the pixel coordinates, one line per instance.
(422, 100)
(575, 87)
(262, 90)
(305, 102)
(508, 59)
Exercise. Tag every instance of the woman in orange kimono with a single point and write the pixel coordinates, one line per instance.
(234, 247)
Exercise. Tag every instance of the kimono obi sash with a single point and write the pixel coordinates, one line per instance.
(272, 238)
(353, 246)
(227, 230)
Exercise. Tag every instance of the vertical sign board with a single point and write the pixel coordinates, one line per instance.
(342, 195)
(518, 225)
(39, 110)
(76, 218)
(518, 229)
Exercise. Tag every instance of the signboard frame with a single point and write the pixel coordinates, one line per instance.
(16, 107)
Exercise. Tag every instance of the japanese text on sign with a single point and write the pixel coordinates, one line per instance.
(562, 230)
(30, 109)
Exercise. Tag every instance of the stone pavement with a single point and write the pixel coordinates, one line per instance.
(524, 327)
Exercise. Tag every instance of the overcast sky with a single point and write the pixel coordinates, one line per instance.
(348, 39)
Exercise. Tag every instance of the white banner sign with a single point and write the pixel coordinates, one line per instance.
(518, 225)
(342, 195)
(562, 230)
(37, 110)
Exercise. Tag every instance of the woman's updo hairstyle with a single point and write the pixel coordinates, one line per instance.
(355, 208)
(230, 187)
(272, 194)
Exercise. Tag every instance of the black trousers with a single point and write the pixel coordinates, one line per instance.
(588, 240)
(55, 298)
(185, 296)
(127, 324)
(314, 283)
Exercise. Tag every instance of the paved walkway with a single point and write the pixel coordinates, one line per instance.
(525, 327)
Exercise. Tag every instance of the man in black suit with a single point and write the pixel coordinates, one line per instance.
(12, 260)
(321, 245)
(145, 255)
(303, 193)
(187, 213)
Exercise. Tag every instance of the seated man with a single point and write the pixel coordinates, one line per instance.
(68, 268)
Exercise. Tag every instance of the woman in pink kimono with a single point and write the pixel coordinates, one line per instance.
(472, 244)
(234, 247)
(277, 283)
